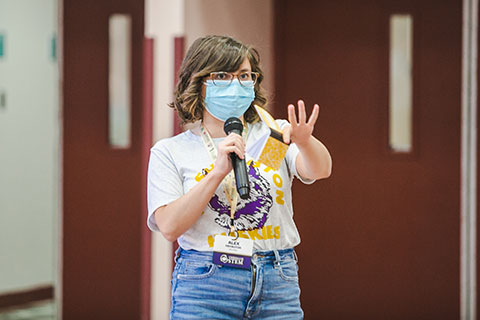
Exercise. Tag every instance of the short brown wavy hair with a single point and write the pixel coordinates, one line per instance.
(210, 54)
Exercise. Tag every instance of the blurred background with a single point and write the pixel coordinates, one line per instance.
(84, 88)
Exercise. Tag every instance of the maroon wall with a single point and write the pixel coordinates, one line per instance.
(381, 236)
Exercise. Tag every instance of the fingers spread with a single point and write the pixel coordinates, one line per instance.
(292, 118)
(302, 115)
(314, 116)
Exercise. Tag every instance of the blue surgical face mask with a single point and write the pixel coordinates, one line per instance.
(229, 101)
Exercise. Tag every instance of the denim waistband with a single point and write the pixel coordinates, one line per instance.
(258, 256)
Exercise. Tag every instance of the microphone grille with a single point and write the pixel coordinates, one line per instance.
(233, 124)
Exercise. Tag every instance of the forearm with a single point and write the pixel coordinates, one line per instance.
(314, 161)
(178, 216)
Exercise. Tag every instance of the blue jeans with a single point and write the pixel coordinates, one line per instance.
(204, 290)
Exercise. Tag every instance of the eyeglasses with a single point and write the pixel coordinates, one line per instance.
(224, 79)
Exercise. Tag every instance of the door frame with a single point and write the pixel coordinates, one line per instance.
(468, 210)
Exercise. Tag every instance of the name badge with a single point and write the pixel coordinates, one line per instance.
(231, 252)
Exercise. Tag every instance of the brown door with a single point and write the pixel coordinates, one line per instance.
(106, 246)
(381, 237)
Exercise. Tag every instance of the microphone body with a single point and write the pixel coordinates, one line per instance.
(235, 125)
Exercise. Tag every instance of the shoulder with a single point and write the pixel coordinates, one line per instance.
(259, 124)
(252, 127)
(260, 128)
(181, 140)
(282, 123)
(177, 147)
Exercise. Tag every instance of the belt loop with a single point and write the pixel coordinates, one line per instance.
(295, 255)
(177, 254)
(277, 259)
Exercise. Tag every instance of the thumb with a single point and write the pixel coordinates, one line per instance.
(287, 131)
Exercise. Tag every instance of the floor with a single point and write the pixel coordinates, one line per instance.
(38, 311)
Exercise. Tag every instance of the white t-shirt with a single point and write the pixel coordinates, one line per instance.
(175, 167)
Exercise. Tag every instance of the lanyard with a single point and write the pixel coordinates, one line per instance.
(229, 180)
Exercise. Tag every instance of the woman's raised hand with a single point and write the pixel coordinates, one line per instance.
(299, 132)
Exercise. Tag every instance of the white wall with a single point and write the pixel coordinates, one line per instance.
(164, 21)
(29, 146)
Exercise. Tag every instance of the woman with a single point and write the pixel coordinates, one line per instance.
(191, 198)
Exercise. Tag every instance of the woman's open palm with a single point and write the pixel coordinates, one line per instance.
(300, 131)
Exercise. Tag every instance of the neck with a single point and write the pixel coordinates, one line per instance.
(213, 125)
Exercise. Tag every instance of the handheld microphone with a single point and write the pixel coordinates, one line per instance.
(234, 125)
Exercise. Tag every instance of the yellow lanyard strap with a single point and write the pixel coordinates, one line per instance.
(229, 180)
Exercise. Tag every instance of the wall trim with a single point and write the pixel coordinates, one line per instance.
(19, 298)
(469, 162)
